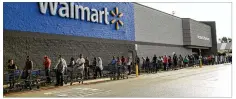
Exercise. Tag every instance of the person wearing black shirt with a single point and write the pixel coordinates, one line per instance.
(11, 70)
(154, 61)
(175, 59)
(147, 65)
(94, 67)
(71, 68)
(28, 68)
(86, 69)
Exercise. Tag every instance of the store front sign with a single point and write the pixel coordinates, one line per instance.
(203, 38)
(78, 12)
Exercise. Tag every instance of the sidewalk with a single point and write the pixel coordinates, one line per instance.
(102, 80)
(86, 82)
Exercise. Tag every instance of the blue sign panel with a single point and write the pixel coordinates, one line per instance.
(100, 20)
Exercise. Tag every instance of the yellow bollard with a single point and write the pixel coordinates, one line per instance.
(136, 70)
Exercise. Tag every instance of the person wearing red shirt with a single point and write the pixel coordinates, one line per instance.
(165, 61)
(123, 60)
(209, 60)
(47, 65)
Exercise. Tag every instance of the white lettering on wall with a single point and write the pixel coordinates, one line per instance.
(94, 16)
(43, 7)
(203, 38)
(72, 16)
(64, 11)
(106, 16)
(70, 10)
(53, 7)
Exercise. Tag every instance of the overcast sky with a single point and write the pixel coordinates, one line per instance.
(219, 12)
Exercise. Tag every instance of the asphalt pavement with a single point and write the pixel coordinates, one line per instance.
(208, 81)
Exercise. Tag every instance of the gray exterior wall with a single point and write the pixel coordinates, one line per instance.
(200, 29)
(150, 50)
(213, 49)
(17, 45)
(186, 32)
(156, 26)
(192, 29)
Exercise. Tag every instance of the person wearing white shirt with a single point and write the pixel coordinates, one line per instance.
(129, 64)
(60, 70)
(80, 66)
(99, 67)
(216, 59)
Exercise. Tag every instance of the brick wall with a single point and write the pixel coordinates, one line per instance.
(18, 45)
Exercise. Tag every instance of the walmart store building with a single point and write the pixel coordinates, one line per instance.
(99, 29)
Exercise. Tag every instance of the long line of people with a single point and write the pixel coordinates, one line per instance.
(177, 62)
(80, 66)
(84, 67)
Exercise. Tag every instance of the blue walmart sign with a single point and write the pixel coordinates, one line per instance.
(101, 20)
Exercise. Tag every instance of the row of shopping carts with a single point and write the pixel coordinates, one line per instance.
(118, 72)
(16, 80)
(19, 82)
(37, 78)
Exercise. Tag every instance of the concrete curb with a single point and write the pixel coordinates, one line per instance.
(88, 82)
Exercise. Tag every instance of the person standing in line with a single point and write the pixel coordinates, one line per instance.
(94, 64)
(216, 58)
(175, 59)
(60, 70)
(221, 59)
(179, 62)
(165, 62)
(144, 63)
(209, 60)
(190, 60)
(147, 65)
(47, 65)
(129, 64)
(186, 61)
(230, 59)
(113, 61)
(123, 60)
(159, 63)
(86, 69)
(170, 63)
(113, 66)
(11, 70)
(212, 59)
(154, 62)
(80, 64)
(118, 61)
(225, 58)
(118, 64)
(162, 62)
(194, 61)
(99, 67)
(28, 68)
(71, 68)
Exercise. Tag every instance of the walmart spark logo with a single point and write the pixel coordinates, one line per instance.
(119, 15)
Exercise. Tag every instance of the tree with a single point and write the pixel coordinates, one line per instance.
(224, 40)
